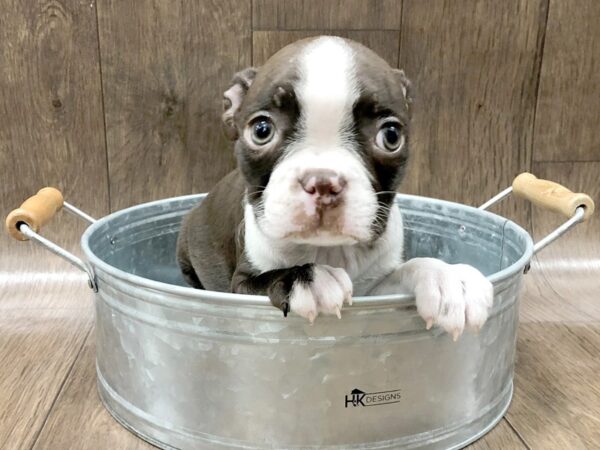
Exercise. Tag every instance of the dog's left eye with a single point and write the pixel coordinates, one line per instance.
(263, 130)
(390, 137)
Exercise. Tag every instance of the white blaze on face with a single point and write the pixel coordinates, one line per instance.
(327, 91)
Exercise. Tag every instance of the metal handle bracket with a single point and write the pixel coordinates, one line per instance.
(59, 251)
(23, 223)
(584, 206)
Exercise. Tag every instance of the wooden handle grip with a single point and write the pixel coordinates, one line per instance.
(36, 211)
(551, 195)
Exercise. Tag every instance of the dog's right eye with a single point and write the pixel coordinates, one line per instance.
(262, 130)
(390, 137)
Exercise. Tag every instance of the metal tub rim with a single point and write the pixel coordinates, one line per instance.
(187, 294)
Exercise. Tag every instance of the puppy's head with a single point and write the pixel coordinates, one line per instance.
(321, 136)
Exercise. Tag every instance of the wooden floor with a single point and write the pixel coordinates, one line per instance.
(117, 105)
(48, 397)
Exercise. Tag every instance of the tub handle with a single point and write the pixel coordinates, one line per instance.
(36, 212)
(24, 223)
(553, 196)
(577, 207)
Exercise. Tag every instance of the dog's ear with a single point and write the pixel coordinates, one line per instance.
(233, 97)
(406, 87)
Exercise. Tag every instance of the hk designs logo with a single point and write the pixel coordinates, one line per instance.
(360, 398)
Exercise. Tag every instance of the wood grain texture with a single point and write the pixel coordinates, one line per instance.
(326, 14)
(567, 281)
(474, 69)
(582, 242)
(51, 123)
(500, 437)
(143, 77)
(557, 393)
(218, 44)
(79, 406)
(165, 66)
(568, 110)
(37, 347)
(384, 43)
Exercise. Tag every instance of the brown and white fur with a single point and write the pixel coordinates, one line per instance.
(309, 218)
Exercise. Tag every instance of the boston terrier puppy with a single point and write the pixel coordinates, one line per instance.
(308, 218)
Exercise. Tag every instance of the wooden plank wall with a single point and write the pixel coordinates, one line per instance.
(51, 133)
(117, 104)
(164, 68)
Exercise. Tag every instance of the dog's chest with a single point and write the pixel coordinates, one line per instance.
(364, 263)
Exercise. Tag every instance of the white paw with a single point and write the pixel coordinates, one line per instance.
(325, 294)
(453, 296)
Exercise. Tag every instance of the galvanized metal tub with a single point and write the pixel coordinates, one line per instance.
(192, 369)
(188, 368)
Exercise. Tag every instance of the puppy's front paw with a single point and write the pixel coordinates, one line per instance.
(324, 292)
(453, 296)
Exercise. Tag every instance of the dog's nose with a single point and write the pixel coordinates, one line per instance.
(324, 185)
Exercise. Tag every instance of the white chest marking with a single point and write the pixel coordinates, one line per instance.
(366, 264)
